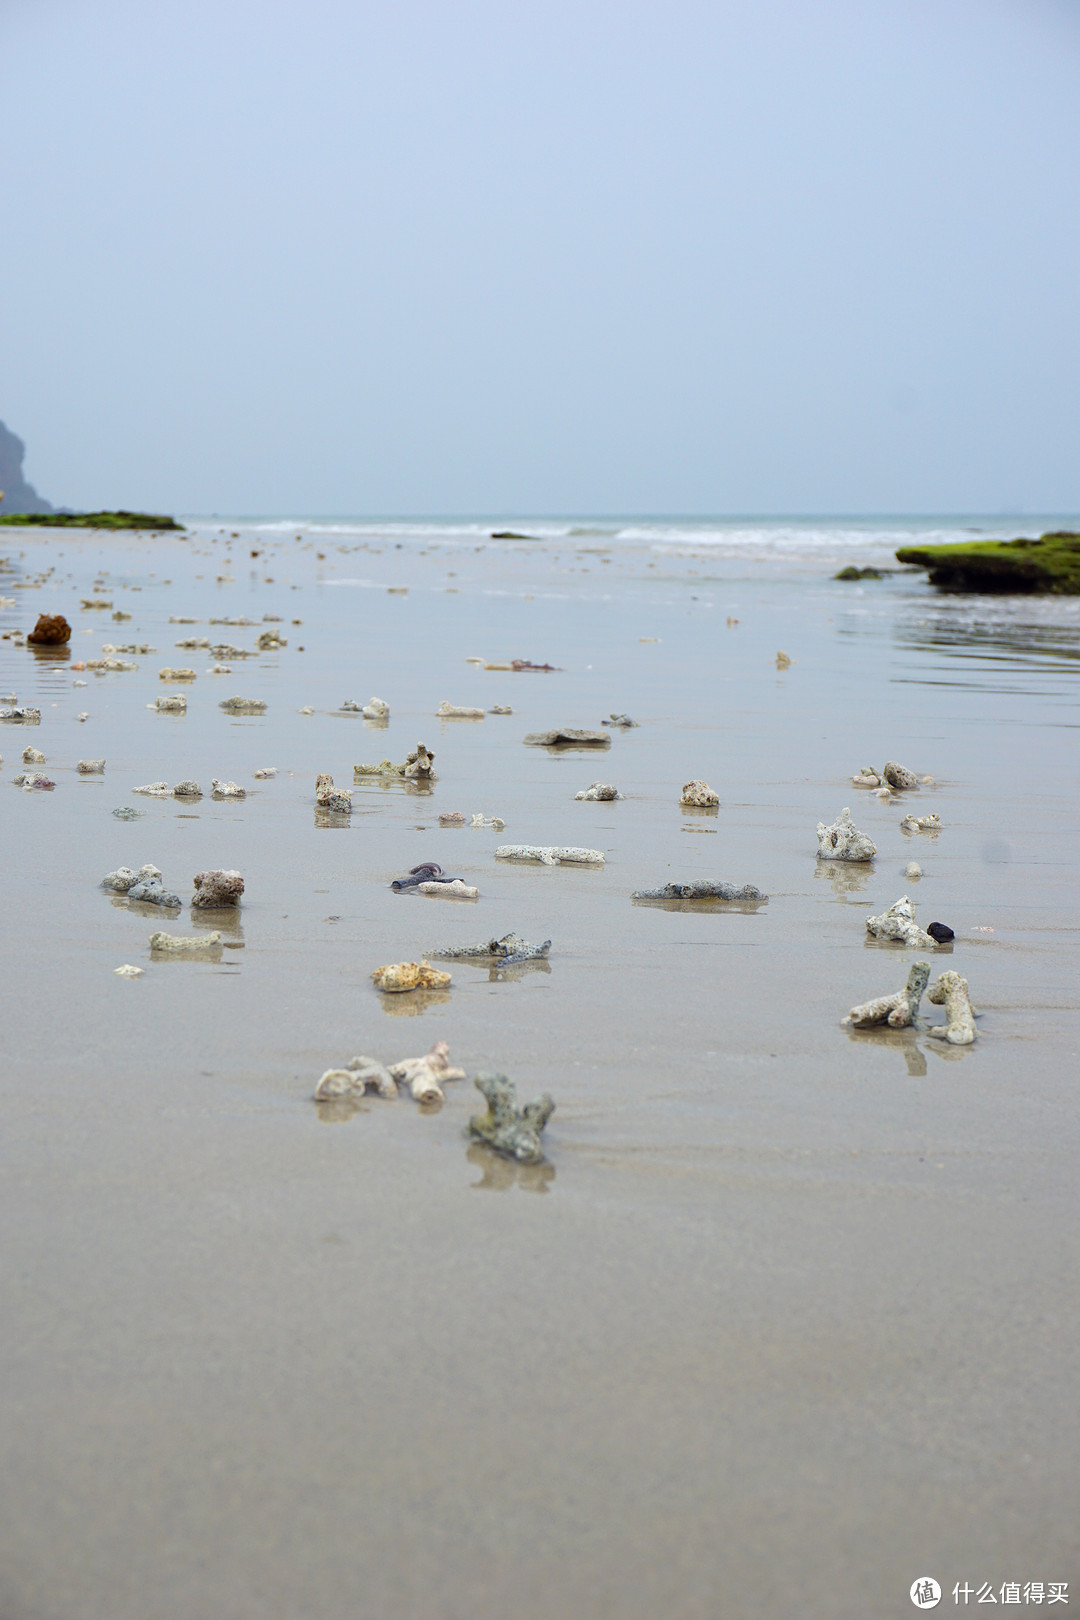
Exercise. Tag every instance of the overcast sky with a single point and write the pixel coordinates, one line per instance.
(595, 256)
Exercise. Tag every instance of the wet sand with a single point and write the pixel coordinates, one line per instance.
(790, 1317)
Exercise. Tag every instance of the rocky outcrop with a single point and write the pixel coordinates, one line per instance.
(18, 495)
(1049, 565)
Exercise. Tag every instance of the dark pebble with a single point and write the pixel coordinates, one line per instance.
(941, 932)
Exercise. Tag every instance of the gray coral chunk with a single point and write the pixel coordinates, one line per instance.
(700, 891)
(153, 892)
(510, 1130)
(898, 776)
(507, 951)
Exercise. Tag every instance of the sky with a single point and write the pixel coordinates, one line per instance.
(543, 256)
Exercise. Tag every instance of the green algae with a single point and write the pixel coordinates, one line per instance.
(1048, 566)
(89, 520)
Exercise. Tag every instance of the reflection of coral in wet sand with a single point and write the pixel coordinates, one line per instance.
(498, 1174)
(414, 1004)
(846, 877)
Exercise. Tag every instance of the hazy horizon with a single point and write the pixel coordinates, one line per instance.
(752, 259)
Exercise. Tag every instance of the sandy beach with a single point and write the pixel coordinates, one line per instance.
(789, 1316)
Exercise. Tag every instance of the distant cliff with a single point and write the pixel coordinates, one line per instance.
(19, 496)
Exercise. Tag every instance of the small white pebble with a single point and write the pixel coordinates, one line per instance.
(913, 870)
(128, 971)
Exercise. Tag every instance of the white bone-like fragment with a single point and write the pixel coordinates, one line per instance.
(456, 889)
(899, 1010)
(951, 991)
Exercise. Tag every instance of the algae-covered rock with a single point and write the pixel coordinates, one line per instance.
(1049, 565)
(90, 520)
